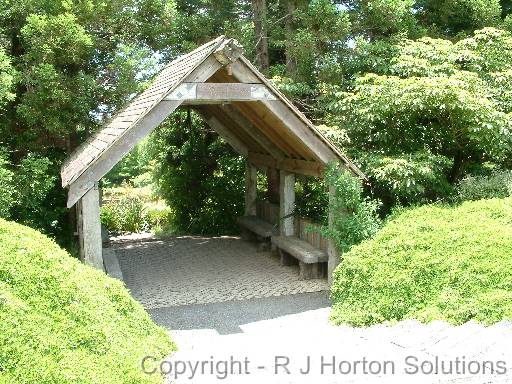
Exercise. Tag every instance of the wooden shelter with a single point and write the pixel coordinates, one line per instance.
(237, 101)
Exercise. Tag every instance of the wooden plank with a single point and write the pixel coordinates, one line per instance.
(253, 131)
(258, 115)
(224, 132)
(300, 249)
(294, 124)
(297, 124)
(251, 179)
(256, 225)
(304, 167)
(333, 253)
(143, 127)
(220, 92)
(286, 202)
(240, 133)
(90, 229)
(106, 161)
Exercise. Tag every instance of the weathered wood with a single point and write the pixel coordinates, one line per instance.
(309, 168)
(286, 202)
(332, 251)
(106, 161)
(224, 132)
(268, 211)
(243, 123)
(294, 120)
(311, 271)
(273, 185)
(89, 229)
(250, 189)
(300, 249)
(199, 93)
(256, 225)
(229, 51)
(198, 65)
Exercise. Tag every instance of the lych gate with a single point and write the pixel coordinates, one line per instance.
(239, 103)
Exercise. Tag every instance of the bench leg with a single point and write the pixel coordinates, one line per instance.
(310, 271)
(263, 245)
(246, 235)
(286, 259)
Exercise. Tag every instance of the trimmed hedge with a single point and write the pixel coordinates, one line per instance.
(64, 322)
(428, 263)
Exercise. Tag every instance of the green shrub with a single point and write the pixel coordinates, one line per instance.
(355, 216)
(128, 209)
(63, 322)
(7, 199)
(498, 184)
(408, 179)
(199, 175)
(125, 215)
(431, 262)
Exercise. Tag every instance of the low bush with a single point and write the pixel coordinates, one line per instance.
(63, 322)
(498, 184)
(354, 216)
(431, 262)
(128, 209)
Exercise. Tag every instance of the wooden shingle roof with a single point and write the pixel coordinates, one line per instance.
(161, 85)
(232, 96)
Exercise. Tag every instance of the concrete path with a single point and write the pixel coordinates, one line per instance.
(271, 339)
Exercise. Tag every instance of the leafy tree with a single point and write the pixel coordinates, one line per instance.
(198, 175)
(6, 78)
(64, 67)
(438, 98)
(453, 17)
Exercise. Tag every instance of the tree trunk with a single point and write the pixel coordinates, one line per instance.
(458, 164)
(259, 9)
(291, 64)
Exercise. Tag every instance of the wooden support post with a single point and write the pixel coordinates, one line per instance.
(286, 202)
(250, 189)
(272, 185)
(89, 229)
(332, 251)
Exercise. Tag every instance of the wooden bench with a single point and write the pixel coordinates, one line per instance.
(308, 248)
(262, 226)
(256, 225)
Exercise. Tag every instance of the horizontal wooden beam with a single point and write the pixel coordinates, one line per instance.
(216, 93)
(309, 168)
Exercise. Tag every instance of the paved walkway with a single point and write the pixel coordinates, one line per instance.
(291, 329)
(226, 339)
(198, 270)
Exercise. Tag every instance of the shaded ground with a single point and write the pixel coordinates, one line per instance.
(198, 270)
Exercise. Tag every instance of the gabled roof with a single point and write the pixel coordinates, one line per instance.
(268, 129)
(161, 85)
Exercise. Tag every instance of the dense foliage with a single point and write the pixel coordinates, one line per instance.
(431, 262)
(64, 67)
(354, 216)
(416, 91)
(64, 322)
(134, 210)
(199, 175)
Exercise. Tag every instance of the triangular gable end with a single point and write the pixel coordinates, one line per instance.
(216, 80)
